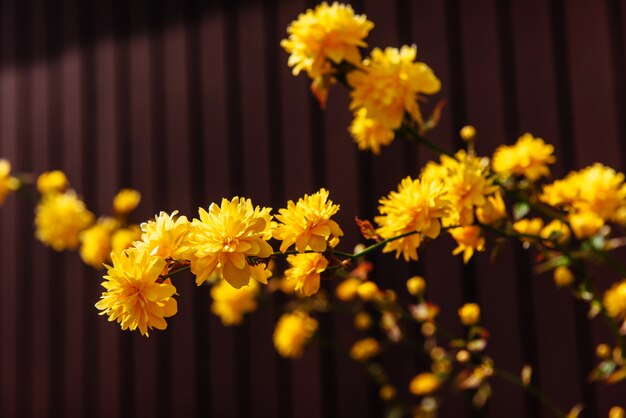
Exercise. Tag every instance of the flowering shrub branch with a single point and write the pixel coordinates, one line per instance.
(231, 245)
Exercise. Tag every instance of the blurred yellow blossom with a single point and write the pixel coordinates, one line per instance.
(52, 181)
(368, 133)
(469, 314)
(7, 182)
(556, 231)
(467, 133)
(135, 297)
(617, 412)
(416, 285)
(417, 206)
(231, 304)
(469, 239)
(307, 223)
(323, 36)
(563, 276)
(615, 300)
(221, 241)
(95, 241)
(387, 392)
(390, 84)
(347, 289)
(528, 157)
(368, 291)
(305, 270)
(364, 349)
(123, 238)
(59, 220)
(526, 226)
(424, 384)
(292, 332)
(493, 210)
(585, 224)
(362, 321)
(126, 200)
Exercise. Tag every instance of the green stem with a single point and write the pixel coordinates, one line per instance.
(531, 390)
(379, 244)
(172, 273)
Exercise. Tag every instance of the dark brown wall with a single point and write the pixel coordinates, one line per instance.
(189, 102)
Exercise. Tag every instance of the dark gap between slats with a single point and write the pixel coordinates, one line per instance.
(24, 288)
(121, 15)
(523, 262)
(243, 369)
(615, 10)
(91, 290)
(202, 348)
(277, 184)
(156, 22)
(56, 296)
(567, 156)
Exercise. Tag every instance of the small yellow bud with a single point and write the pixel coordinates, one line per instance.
(362, 321)
(463, 356)
(416, 285)
(346, 290)
(603, 351)
(469, 314)
(467, 133)
(364, 349)
(387, 392)
(126, 200)
(367, 291)
(617, 412)
(52, 181)
(428, 329)
(424, 384)
(563, 276)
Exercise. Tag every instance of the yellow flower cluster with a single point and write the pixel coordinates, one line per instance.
(591, 197)
(529, 157)
(306, 270)
(322, 38)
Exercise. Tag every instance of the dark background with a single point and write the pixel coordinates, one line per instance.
(193, 101)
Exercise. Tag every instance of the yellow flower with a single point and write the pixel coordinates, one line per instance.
(556, 231)
(561, 192)
(59, 219)
(347, 289)
(585, 224)
(95, 241)
(123, 238)
(292, 332)
(617, 412)
(126, 200)
(221, 241)
(563, 276)
(52, 181)
(368, 291)
(493, 210)
(467, 133)
(369, 134)
(164, 237)
(7, 182)
(469, 239)
(387, 392)
(600, 190)
(467, 185)
(364, 349)
(615, 300)
(528, 157)
(417, 206)
(305, 270)
(416, 285)
(135, 297)
(232, 304)
(323, 36)
(469, 314)
(424, 384)
(307, 224)
(390, 83)
(528, 226)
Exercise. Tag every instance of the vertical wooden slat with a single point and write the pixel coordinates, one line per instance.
(40, 401)
(110, 334)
